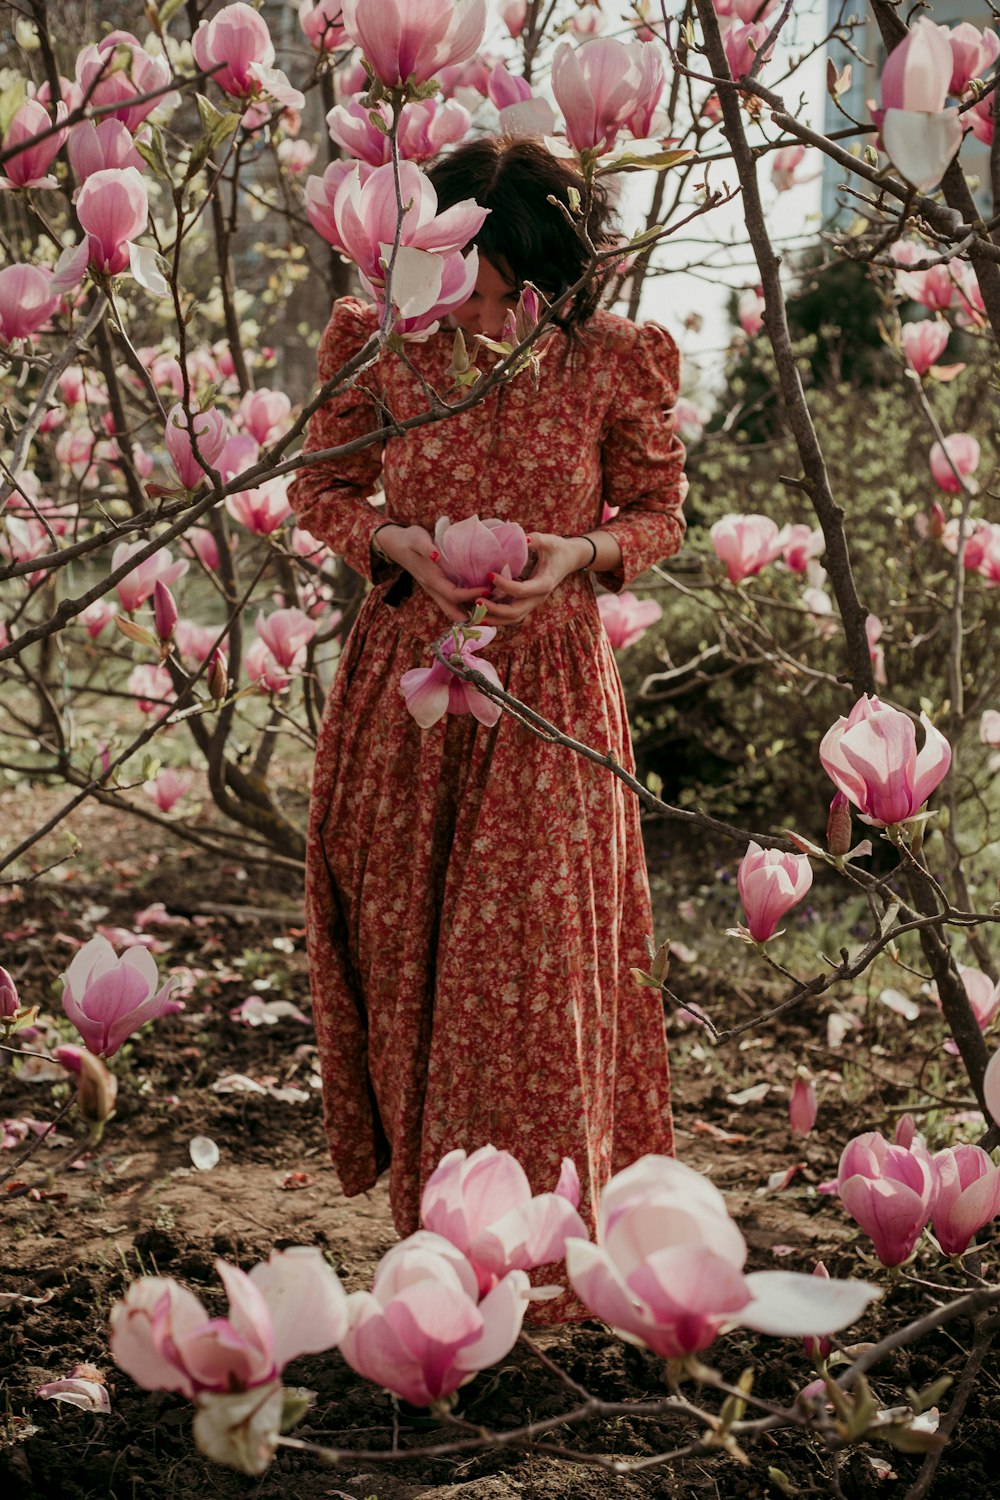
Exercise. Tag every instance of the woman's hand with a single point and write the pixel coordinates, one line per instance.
(413, 549)
(558, 557)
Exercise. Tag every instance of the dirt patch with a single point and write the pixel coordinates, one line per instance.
(73, 1239)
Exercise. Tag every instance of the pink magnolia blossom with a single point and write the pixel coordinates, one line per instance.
(168, 788)
(889, 1190)
(744, 10)
(924, 343)
(321, 198)
(113, 209)
(265, 414)
(801, 545)
(323, 24)
(506, 88)
(802, 1107)
(422, 1331)
(27, 301)
(872, 757)
(667, 1270)
(484, 1206)
(981, 119)
(296, 156)
(876, 652)
(411, 40)
(626, 618)
(261, 510)
(200, 543)
(286, 633)
(109, 998)
(162, 1335)
(152, 688)
(425, 128)
(973, 53)
(465, 80)
(132, 72)
(586, 21)
(963, 451)
(94, 146)
(209, 428)
(746, 544)
(366, 213)
(29, 168)
(983, 994)
(991, 1087)
(513, 14)
(431, 692)
(982, 553)
(240, 452)
(989, 727)
(934, 288)
(263, 670)
(195, 643)
(10, 1002)
(642, 121)
(742, 44)
(472, 549)
(238, 38)
(598, 87)
(919, 134)
(784, 167)
(750, 309)
(136, 587)
(968, 1196)
(770, 883)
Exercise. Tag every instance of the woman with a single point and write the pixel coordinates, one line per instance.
(476, 897)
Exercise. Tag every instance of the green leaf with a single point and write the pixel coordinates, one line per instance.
(379, 122)
(168, 10)
(631, 162)
(154, 153)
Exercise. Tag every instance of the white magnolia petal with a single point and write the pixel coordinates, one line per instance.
(920, 145)
(789, 1304)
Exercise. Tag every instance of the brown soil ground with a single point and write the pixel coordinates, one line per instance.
(72, 1239)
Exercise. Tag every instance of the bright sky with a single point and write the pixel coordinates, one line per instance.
(716, 247)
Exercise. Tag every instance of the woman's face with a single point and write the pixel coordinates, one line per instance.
(494, 297)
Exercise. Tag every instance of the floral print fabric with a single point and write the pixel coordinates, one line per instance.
(476, 897)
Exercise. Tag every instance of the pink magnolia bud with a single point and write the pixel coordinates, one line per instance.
(924, 343)
(963, 453)
(9, 1001)
(937, 522)
(889, 1191)
(968, 1196)
(218, 676)
(164, 612)
(29, 166)
(802, 1106)
(96, 1086)
(818, 1348)
(872, 757)
(770, 882)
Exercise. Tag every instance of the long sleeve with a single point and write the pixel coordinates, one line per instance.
(643, 458)
(330, 499)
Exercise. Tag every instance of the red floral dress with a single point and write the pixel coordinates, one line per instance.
(476, 897)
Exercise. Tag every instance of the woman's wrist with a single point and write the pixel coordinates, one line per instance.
(587, 549)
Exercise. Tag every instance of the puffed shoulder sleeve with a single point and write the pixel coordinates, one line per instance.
(330, 498)
(643, 458)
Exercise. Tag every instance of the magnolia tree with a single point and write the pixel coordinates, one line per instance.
(165, 626)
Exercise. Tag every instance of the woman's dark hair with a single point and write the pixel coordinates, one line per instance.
(525, 235)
